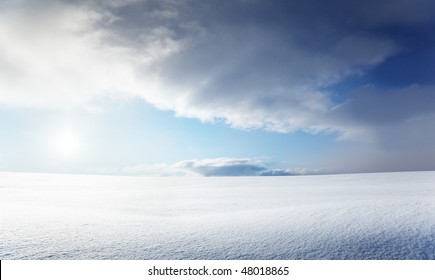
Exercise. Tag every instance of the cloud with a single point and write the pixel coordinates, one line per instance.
(57, 54)
(248, 64)
(270, 75)
(396, 117)
(400, 121)
(289, 172)
(160, 169)
(373, 106)
(223, 167)
(214, 167)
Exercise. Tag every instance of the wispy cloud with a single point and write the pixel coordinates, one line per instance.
(159, 169)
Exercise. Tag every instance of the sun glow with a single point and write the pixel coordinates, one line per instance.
(66, 144)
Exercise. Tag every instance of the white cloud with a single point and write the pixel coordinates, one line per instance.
(223, 167)
(56, 54)
(214, 167)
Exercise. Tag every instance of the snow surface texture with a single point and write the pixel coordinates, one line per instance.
(363, 216)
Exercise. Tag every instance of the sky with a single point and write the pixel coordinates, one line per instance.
(217, 88)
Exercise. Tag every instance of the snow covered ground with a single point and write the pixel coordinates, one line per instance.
(356, 216)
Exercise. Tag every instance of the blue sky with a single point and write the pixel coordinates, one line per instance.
(248, 87)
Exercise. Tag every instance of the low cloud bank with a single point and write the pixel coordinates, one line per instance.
(215, 167)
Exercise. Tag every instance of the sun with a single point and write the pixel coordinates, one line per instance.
(66, 144)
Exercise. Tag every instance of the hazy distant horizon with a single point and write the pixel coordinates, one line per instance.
(208, 176)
